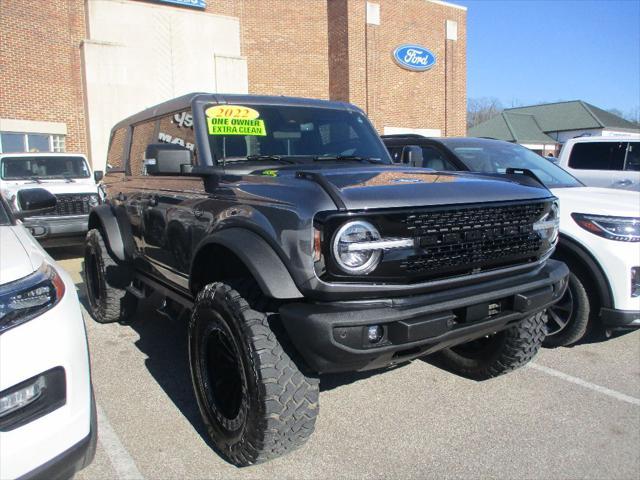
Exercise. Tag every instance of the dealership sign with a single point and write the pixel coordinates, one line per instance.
(186, 3)
(414, 57)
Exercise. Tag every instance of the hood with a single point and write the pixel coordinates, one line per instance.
(84, 185)
(16, 257)
(599, 201)
(393, 187)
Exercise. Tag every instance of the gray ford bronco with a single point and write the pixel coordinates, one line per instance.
(295, 248)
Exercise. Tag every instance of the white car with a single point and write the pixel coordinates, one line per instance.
(599, 231)
(67, 176)
(48, 423)
(612, 162)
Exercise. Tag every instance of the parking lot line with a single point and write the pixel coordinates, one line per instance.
(583, 383)
(121, 460)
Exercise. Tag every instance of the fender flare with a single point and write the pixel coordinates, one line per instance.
(106, 219)
(600, 279)
(259, 257)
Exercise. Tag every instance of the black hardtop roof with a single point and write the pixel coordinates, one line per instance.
(185, 101)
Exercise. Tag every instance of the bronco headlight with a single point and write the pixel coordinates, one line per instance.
(624, 229)
(548, 226)
(358, 247)
(30, 296)
(355, 260)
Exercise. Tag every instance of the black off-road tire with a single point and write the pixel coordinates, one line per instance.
(106, 281)
(499, 353)
(254, 399)
(577, 300)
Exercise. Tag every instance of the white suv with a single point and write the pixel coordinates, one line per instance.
(47, 414)
(67, 176)
(612, 162)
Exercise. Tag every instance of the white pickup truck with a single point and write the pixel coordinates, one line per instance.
(612, 162)
(68, 177)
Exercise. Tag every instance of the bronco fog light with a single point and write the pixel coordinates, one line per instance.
(635, 282)
(375, 333)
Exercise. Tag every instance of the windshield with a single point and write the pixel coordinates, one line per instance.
(19, 168)
(237, 131)
(495, 157)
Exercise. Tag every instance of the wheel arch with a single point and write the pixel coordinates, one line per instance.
(236, 251)
(115, 230)
(571, 252)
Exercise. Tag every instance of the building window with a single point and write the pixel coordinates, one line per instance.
(38, 143)
(11, 142)
(58, 144)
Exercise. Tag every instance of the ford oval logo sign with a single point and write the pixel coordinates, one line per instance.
(414, 57)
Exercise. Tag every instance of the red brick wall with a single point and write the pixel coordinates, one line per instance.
(285, 43)
(393, 96)
(308, 48)
(40, 67)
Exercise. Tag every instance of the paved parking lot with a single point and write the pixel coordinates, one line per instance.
(574, 413)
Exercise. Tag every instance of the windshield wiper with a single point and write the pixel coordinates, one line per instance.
(69, 179)
(35, 179)
(355, 158)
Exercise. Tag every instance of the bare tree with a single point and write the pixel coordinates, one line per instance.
(481, 109)
(633, 114)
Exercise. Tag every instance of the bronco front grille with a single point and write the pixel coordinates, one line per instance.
(72, 204)
(469, 239)
(449, 241)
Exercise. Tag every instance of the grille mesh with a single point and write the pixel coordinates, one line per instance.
(71, 204)
(473, 238)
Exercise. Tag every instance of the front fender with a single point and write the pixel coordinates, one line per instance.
(261, 260)
(113, 226)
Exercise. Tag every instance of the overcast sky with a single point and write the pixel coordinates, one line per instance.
(526, 52)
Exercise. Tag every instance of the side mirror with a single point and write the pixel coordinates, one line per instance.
(412, 155)
(98, 175)
(166, 158)
(35, 201)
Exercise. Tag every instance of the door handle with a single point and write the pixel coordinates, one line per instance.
(153, 200)
(624, 182)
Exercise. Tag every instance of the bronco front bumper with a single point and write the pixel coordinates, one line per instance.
(334, 336)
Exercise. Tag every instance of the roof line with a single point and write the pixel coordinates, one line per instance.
(448, 4)
(584, 105)
(522, 113)
(542, 104)
(506, 121)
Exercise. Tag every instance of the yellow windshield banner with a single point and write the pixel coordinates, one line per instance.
(232, 111)
(236, 126)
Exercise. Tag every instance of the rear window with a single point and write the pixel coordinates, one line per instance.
(20, 168)
(632, 162)
(598, 156)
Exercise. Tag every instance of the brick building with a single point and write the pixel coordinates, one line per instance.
(71, 68)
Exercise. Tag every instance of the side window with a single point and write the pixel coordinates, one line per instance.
(598, 156)
(115, 160)
(177, 128)
(142, 136)
(633, 157)
(433, 158)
